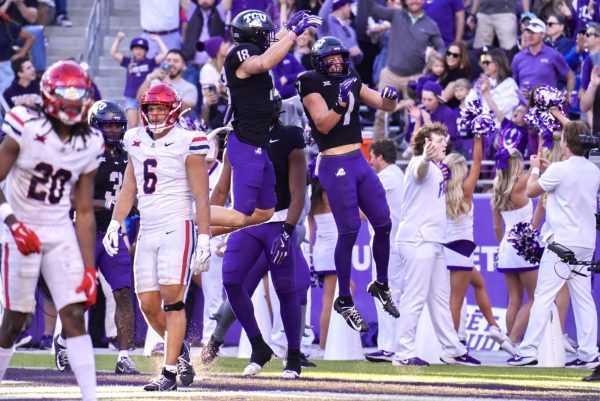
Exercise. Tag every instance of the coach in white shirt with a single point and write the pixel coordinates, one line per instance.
(383, 160)
(571, 185)
(420, 238)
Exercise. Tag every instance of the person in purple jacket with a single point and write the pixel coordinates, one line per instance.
(138, 67)
(434, 110)
(285, 74)
(449, 15)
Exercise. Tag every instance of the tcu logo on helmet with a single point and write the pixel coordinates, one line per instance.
(255, 19)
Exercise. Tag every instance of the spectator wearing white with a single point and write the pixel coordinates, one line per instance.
(497, 75)
(161, 18)
(538, 64)
(421, 233)
(173, 77)
(216, 48)
(383, 160)
(571, 205)
(496, 18)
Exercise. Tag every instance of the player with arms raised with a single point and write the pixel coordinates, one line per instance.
(46, 156)
(246, 73)
(331, 96)
(167, 172)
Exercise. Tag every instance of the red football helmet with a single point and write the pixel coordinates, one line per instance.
(66, 92)
(160, 94)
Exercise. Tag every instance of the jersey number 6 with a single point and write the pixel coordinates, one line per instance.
(150, 177)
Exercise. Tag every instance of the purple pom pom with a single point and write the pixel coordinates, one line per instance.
(475, 121)
(523, 237)
(547, 96)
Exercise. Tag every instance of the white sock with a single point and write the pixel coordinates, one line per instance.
(83, 364)
(61, 341)
(123, 354)
(171, 368)
(5, 355)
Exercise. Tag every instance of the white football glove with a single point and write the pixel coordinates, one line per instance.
(201, 258)
(111, 238)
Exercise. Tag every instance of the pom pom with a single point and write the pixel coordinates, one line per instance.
(524, 238)
(544, 123)
(474, 120)
(546, 96)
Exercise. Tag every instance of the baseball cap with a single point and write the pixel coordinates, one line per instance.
(536, 25)
(340, 3)
(433, 86)
(139, 42)
(527, 16)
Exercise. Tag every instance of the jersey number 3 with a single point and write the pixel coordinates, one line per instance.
(56, 179)
(150, 177)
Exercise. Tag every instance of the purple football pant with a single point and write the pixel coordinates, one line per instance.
(244, 249)
(351, 183)
(253, 176)
(117, 270)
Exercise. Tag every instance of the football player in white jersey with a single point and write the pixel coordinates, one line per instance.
(167, 172)
(46, 156)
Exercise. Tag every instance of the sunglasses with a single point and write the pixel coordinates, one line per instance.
(486, 62)
(590, 34)
(450, 54)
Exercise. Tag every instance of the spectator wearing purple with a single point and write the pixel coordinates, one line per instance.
(285, 74)
(539, 64)
(449, 15)
(237, 6)
(161, 18)
(579, 14)
(591, 42)
(411, 33)
(336, 15)
(434, 110)
(138, 67)
(25, 89)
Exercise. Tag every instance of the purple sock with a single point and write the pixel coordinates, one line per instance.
(290, 317)
(381, 252)
(343, 261)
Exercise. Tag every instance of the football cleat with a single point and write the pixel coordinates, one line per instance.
(351, 316)
(60, 356)
(126, 366)
(184, 365)
(166, 381)
(382, 293)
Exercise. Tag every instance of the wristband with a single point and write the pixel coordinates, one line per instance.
(203, 239)
(288, 228)
(536, 171)
(339, 109)
(5, 211)
(289, 36)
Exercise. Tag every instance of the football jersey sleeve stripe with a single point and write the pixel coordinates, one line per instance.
(199, 139)
(11, 115)
(8, 129)
(199, 147)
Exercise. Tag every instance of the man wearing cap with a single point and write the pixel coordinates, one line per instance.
(538, 64)
(496, 18)
(336, 15)
(411, 33)
(138, 67)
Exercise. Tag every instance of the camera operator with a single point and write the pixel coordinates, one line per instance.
(571, 185)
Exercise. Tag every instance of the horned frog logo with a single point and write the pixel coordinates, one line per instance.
(255, 23)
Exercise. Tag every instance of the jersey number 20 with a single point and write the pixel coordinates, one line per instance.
(57, 180)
